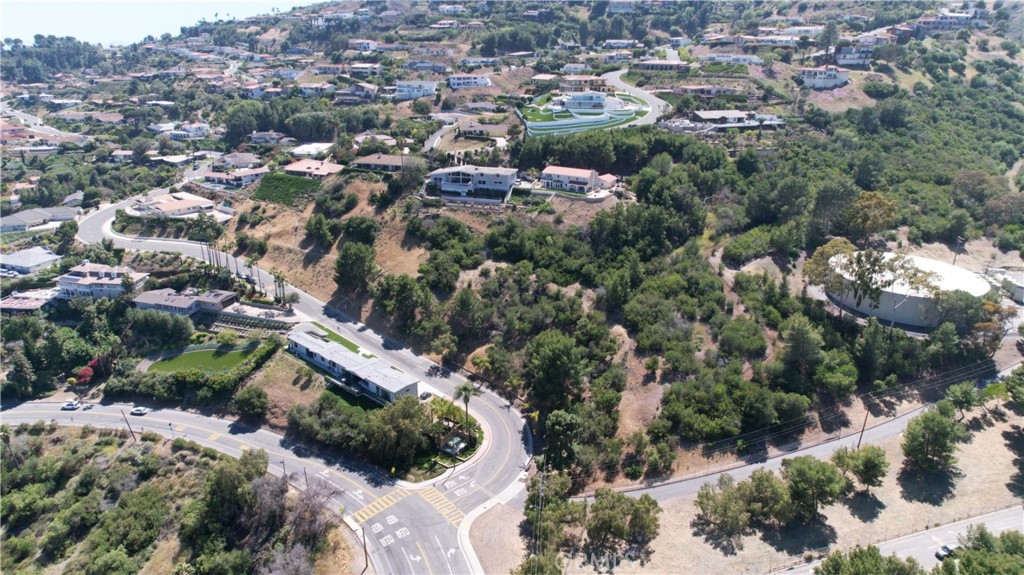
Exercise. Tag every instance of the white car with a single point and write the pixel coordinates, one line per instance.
(140, 411)
(70, 405)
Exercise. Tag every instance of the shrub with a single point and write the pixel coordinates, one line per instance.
(18, 548)
(251, 402)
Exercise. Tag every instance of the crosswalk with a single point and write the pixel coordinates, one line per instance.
(380, 504)
(442, 505)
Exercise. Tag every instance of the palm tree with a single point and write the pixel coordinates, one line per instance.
(465, 392)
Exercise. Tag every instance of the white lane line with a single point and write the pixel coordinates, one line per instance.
(445, 555)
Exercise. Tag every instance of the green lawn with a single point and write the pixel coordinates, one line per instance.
(286, 190)
(207, 360)
(338, 339)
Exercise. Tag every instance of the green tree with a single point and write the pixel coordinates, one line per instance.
(867, 560)
(251, 402)
(561, 430)
(767, 499)
(828, 39)
(812, 483)
(21, 376)
(868, 464)
(397, 433)
(722, 505)
(355, 267)
(554, 368)
(421, 107)
(929, 442)
(465, 392)
(963, 396)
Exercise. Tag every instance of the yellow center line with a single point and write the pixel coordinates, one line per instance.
(424, 556)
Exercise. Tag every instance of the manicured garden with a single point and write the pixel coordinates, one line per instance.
(336, 338)
(206, 360)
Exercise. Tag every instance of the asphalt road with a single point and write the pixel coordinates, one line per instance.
(35, 124)
(923, 544)
(658, 106)
(399, 526)
(671, 54)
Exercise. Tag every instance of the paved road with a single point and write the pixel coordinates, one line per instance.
(657, 105)
(923, 544)
(671, 54)
(434, 138)
(440, 517)
(36, 124)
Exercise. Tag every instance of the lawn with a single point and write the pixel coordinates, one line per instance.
(338, 339)
(285, 190)
(207, 360)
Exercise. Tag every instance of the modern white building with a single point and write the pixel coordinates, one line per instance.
(410, 90)
(173, 205)
(364, 69)
(586, 101)
(362, 44)
(459, 81)
(909, 304)
(746, 59)
(614, 44)
(237, 178)
(96, 281)
(186, 303)
(190, 131)
(473, 182)
(858, 55)
(310, 89)
(824, 77)
(369, 377)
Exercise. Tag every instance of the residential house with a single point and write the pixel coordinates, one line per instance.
(621, 6)
(97, 281)
(28, 302)
(121, 156)
(410, 90)
(575, 68)
(311, 150)
(380, 162)
(586, 101)
(369, 377)
(617, 56)
(28, 261)
(706, 91)
(432, 51)
(161, 127)
(445, 24)
(311, 89)
(316, 169)
(474, 183)
(175, 205)
(745, 59)
(721, 120)
(330, 69)
(426, 66)
(73, 200)
(476, 129)
(480, 62)
(270, 137)
(583, 83)
(450, 9)
(857, 55)
(460, 81)
(236, 160)
(25, 219)
(613, 44)
(237, 178)
(575, 180)
(663, 66)
(187, 303)
(191, 131)
(362, 44)
(824, 77)
(364, 69)
(678, 42)
(385, 139)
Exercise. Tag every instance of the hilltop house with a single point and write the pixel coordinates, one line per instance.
(410, 90)
(824, 77)
(316, 169)
(459, 81)
(380, 162)
(25, 219)
(474, 183)
(583, 83)
(237, 178)
(575, 180)
(95, 281)
(28, 261)
(186, 303)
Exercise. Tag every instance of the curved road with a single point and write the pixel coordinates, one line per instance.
(658, 106)
(420, 528)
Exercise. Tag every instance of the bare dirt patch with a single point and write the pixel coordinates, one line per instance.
(164, 557)
(495, 535)
(844, 97)
(985, 465)
(397, 253)
(641, 400)
(576, 212)
(975, 255)
(337, 557)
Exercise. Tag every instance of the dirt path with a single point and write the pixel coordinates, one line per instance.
(1011, 174)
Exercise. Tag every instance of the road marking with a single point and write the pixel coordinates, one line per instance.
(391, 519)
(442, 505)
(386, 540)
(460, 492)
(424, 555)
(376, 528)
(213, 437)
(402, 533)
(380, 504)
(445, 555)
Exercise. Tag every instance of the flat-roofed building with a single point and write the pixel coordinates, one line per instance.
(370, 377)
(583, 83)
(173, 205)
(25, 219)
(474, 182)
(169, 301)
(575, 180)
(316, 169)
(26, 302)
(380, 162)
(460, 81)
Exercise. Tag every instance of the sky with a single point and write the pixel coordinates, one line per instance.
(113, 22)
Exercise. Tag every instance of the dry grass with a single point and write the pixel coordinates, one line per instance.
(285, 387)
(164, 557)
(337, 557)
(844, 97)
(894, 509)
(495, 536)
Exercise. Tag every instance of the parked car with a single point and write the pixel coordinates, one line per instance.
(947, 551)
(140, 411)
(70, 405)
(425, 395)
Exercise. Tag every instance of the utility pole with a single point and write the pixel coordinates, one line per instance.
(867, 412)
(128, 423)
(959, 241)
(366, 552)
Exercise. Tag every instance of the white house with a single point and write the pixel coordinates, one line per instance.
(450, 9)
(474, 181)
(586, 101)
(237, 178)
(569, 179)
(445, 24)
(173, 205)
(362, 44)
(95, 281)
(316, 88)
(459, 81)
(824, 77)
(859, 55)
(191, 131)
(410, 90)
(473, 62)
(169, 301)
(371, 377)
(364, 69)
(747, 59)
(679, 41)
(617, 56)
(614, 44)
(575, 68)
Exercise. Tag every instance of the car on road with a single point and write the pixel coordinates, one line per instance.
(140, 411)
(947, 551)
(426, 395)
(70, 405)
